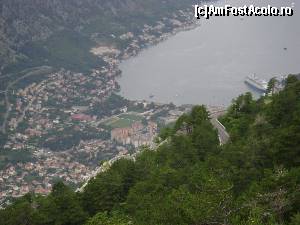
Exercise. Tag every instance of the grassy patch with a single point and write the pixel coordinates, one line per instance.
(121, 123)
(131, 117)
(124, 120)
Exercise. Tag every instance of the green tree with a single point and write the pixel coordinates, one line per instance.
(110, 188)
(105, 219)
(67, 207)
(20, 212)
(271, 86)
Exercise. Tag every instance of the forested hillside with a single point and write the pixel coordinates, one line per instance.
(42, 31)
(190, 179)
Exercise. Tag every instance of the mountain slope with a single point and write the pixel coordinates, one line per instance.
(25, 27)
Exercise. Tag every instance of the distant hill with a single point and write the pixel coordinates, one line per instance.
(28, 29)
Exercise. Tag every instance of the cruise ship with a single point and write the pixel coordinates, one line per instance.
(256, 83)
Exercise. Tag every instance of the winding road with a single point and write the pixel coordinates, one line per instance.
(215, 113)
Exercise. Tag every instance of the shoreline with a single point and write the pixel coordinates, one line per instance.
(140, 42)
(119, 57)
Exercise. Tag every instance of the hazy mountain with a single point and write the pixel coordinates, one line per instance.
(24, 23)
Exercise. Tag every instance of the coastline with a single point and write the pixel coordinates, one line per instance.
(150, 36)
(115, 56)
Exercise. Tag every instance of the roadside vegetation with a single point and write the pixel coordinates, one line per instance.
(191, 179)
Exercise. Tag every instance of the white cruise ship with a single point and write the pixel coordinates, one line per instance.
(256, 83)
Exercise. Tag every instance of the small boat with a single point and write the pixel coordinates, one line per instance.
(285, 49)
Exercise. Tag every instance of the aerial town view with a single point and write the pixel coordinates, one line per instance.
(149, 112)
(66, 124)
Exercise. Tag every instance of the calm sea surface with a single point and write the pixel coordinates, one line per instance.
(208, 65)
